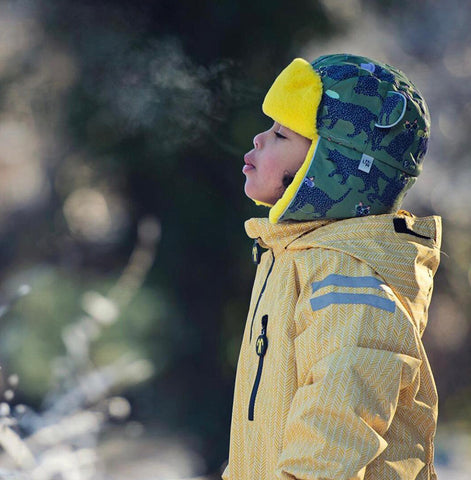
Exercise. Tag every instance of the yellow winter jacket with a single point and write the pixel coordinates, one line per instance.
(333, 381)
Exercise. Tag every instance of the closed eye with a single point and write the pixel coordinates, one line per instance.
(279, 135)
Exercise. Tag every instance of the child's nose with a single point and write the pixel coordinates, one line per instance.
(257, 140)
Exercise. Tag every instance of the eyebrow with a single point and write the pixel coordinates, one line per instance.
(278, 129)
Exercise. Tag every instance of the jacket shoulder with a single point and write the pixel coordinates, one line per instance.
(315, 262)
(337, 288)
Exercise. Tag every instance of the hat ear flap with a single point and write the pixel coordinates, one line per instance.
(393, 110)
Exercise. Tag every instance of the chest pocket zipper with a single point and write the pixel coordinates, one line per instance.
(261, 346)
(264, 286)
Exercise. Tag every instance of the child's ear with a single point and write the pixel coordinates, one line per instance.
(287, 179)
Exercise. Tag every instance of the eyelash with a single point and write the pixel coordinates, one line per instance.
(278, 134)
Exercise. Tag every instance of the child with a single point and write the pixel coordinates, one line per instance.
(332, 380)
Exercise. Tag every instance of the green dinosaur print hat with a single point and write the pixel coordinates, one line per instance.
(369, 127)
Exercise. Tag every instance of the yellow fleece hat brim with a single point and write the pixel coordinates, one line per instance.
(294, 98)
(292, 101)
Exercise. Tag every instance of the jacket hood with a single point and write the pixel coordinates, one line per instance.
(402, 249)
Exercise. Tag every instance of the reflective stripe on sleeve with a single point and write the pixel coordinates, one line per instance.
(344, 281)
(335, 298)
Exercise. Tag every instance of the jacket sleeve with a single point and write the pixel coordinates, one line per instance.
(356, 351)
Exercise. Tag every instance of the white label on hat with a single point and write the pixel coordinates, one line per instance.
(366, 163)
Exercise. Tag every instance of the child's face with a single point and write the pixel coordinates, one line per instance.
(277, 152)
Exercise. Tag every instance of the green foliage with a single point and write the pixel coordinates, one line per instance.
(32, 340)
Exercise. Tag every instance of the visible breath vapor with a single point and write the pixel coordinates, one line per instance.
(159, 87)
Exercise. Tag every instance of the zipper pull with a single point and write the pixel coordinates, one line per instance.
(261, 344)
(256, 252)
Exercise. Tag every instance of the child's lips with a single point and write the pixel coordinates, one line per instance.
(248, 165)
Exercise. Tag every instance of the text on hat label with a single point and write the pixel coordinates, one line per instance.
(366, 163)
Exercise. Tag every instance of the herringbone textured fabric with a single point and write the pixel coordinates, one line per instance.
(344, 389)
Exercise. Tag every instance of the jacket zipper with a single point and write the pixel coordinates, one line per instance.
(261, 346)
(261, 293)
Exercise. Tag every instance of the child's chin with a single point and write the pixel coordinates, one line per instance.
(248, 191)
(255, 196)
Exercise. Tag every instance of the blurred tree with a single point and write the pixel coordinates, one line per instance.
(161, 104)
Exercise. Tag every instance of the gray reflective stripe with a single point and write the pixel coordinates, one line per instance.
(343, 281)
(333, 298)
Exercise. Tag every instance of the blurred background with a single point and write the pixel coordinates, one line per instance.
(125, 269)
